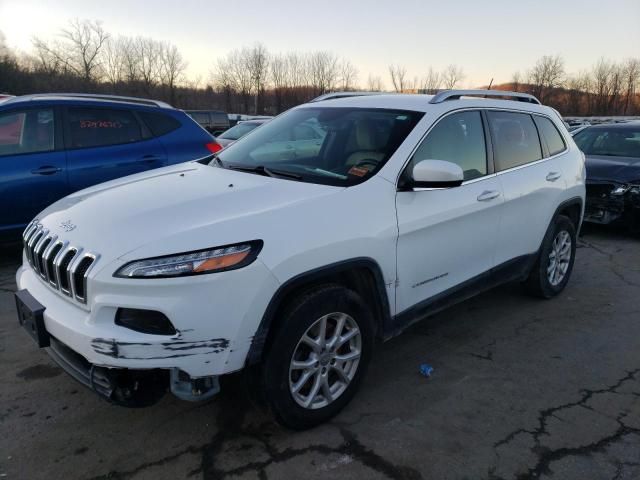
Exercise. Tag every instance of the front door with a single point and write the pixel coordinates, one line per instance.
(448, 235)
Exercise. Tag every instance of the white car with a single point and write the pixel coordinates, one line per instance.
(291, 268)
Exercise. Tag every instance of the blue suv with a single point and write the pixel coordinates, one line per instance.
(54, 144)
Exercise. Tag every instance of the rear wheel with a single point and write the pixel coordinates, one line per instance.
(553, 267)
(318, 356)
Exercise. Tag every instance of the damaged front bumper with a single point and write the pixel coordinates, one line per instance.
(213, 332)
(613, 203)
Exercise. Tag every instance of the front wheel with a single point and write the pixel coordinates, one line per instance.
(318, 357)
(553, 267)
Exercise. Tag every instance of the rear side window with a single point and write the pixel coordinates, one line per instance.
(159, 123)
(95, 127)
(551, 135)
(515, 139)
(457, 138)
(26, 131)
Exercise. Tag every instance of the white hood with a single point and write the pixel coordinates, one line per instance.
(171, 210)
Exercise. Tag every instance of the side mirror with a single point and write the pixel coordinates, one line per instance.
(436, 174)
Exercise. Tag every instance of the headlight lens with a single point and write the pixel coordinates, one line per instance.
(621, 190)
(218, 259)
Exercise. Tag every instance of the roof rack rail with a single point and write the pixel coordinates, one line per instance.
(457, 94)
(112, 98)
(333, 95)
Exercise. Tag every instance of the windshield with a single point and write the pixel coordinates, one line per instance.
(234, 133)
(614, 141)
(332, 146)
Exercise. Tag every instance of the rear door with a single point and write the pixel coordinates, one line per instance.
(531, 179)
(448, 235)
(107, 143)
(33, 169)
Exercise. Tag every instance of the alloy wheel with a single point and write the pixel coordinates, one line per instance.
(325, 360)
(559, 258)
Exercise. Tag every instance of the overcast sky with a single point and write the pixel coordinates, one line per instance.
(488, 39)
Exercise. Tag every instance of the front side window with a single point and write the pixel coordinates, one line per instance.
(457, 138)
(26, 131)
(552, 136)
(332, 146)
(623, 141)
(96, 127)
(515, 139)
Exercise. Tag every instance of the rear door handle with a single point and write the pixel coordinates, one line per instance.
(488, 195)
(553, 176)
(149, 158)
(46, 170)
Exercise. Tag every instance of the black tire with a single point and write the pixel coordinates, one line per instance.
(538, 283)
(300, 314)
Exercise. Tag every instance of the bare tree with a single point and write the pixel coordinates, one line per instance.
(148, 52)
(398, 75)
(431, 82)
(547, 74)
(374, 83)
(86, 40)
(47, 59)
(516, 80)
(114, 61)
(4, 50)
(452, 76)
(348, 75)
(172, 68)
(324, 72)
(631, 73)
(78, 51)
(257, 63)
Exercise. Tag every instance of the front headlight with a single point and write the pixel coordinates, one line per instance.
(212, 260)
(621, 190)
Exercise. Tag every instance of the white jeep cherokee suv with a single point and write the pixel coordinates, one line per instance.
(341, 221)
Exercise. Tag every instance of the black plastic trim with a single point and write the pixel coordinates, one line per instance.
(515, 269)
(260, 338)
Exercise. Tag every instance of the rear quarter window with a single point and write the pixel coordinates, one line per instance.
(551, 135)
(515, 139)
(159, 123)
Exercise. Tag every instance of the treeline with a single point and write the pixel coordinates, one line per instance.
(86, 58)
(607, 88)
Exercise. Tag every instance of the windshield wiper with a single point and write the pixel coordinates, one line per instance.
(267, 172)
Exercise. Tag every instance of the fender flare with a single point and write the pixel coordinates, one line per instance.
(383, 312)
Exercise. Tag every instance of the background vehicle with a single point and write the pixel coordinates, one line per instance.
(289, 261)
(613, 172)
(213, 121)
(241, 129)
(55, 144)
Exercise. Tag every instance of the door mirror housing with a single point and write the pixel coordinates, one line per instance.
(435, 174)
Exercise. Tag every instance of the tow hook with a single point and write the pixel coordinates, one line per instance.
(191, 389)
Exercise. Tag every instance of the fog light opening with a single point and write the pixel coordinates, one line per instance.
(145, 321)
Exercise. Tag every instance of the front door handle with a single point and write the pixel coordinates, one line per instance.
(488, 195)
(553, 176)
(46, 170)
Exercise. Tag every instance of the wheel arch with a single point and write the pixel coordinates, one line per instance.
(572, 209)
(362, 275)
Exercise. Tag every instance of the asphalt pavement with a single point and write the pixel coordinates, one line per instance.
(521, 388)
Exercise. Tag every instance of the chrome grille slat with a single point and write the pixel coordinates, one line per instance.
(45, 257)
(62, 266)
(38, 249)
